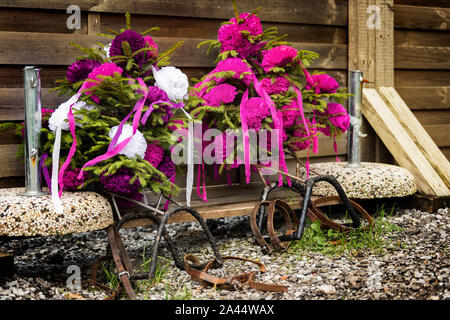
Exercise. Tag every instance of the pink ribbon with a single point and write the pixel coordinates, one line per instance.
(44, 170)
(114, 149)
(245, 137)
(335, 149)
(278, 122)
(302, 114)
(149, 111)
(72, 150)
(201, 174)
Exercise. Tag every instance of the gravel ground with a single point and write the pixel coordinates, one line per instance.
(415, 264)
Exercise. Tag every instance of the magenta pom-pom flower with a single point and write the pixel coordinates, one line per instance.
(106, 69)
(71, 183)
(278, 57)
(154, 154)
(223, 93)
(324, 83)
(167, 167)
(80, 69)
(136, 42)
(300, 137)
(255, 111)
(338, 116)
(231, 36)
(280, 85)
(152, 45)
(290, 114)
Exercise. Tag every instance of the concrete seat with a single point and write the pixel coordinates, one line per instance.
(35, 216)
(370, 181)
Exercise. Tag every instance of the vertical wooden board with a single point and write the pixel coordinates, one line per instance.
(417, 132)
(370, 43)
(400, 144)
(93, 24)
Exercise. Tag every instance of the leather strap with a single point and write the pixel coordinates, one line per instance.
(316, 214)
(290, 219)
(231, 283)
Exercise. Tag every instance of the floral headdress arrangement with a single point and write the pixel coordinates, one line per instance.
(260, 82)
(116, 130)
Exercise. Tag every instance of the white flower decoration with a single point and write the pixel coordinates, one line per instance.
(137, 145)
(172, 81)
(60, 115)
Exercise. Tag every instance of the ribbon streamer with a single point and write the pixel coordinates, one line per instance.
(190, 159)
(114, 149)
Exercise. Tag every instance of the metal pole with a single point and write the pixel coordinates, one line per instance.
(355, 113)
(33, 124)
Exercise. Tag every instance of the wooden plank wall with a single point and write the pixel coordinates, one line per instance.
(422, 64)
(34, 32)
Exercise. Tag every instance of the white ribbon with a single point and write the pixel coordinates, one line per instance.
(190, 159)
(57, 203)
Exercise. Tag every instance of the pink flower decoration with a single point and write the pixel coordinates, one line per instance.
(233, 64)
(338, 116)
(223, 93)
(290, 114)
(278, 57)
(251, 23)
(279, 86)
(301, 134)
(106, 69)
(151, 44)
(325, 83)
(255, 111)
(231, 38)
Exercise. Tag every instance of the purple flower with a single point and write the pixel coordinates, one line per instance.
(80, 69)
(167, 167)
(136, 42)
(156, 94)
(119, 182)
(154, 154)
(71, 183)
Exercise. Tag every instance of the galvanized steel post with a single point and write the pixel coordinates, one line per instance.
(33, 124)
(355, 113)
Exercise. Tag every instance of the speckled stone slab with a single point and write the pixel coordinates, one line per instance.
(372, 180)
(35, 216)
